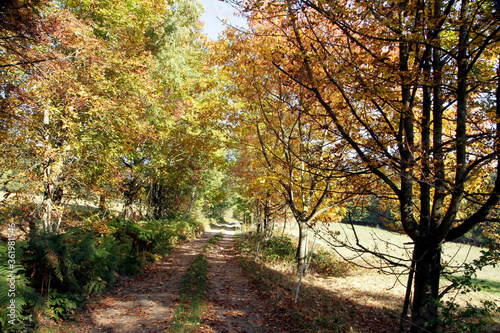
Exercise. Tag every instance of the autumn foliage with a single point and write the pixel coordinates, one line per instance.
(318, 108)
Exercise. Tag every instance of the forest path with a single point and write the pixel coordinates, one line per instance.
(146, 303)
(233, 304)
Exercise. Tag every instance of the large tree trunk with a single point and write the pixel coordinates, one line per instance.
(128, 210)
(426, 292)
(102, 203)
(156, 201)
(52, 199)
(53, 179)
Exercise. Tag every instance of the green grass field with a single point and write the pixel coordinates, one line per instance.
(394, 244)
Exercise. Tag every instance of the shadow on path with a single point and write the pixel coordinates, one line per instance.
(233, 304)
(145, 303)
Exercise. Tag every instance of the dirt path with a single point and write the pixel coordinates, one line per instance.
(145, 303)
(233, 304)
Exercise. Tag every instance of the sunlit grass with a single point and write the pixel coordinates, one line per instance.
(395, 244)
(490, 286)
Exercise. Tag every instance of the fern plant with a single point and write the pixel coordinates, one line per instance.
(25, 298)
(60, 306)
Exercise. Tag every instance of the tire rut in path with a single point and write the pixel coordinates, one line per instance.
(233, 304)
(145, 303)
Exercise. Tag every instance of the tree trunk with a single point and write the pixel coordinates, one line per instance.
(157, 201)
(426, 292)
(130, 193)
(404, 314)
(128, 210)
(191, 203)
(102, 203)
(267, 218)
(47, 212)
(300, 256)
(258, 218)
(52, 198)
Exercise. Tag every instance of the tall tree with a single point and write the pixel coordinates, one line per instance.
(54, 116)
(412, 87)
(84, 100)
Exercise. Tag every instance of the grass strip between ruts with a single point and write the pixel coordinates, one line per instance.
(192, 298)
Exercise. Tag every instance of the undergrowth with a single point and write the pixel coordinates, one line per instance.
(192, 298)
(281, 250)
(57, 272)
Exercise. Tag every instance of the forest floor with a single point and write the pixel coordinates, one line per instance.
(147, 303)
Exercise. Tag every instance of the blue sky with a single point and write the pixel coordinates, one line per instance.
(215, 10)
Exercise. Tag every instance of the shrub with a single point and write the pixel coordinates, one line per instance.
(470, 318)
(155, 236)
(77, 262)
(325, 263)
(61, 306)
(279, 248)
(273, 248)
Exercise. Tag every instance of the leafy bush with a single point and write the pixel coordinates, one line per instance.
(325, 263)
(26, 297)
(70, 262)
(271, 249)
(279, 248)
(155, 236)
(454, 318)
(61, 306)
(283, 249)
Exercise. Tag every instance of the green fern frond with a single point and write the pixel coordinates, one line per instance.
(54, 263)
